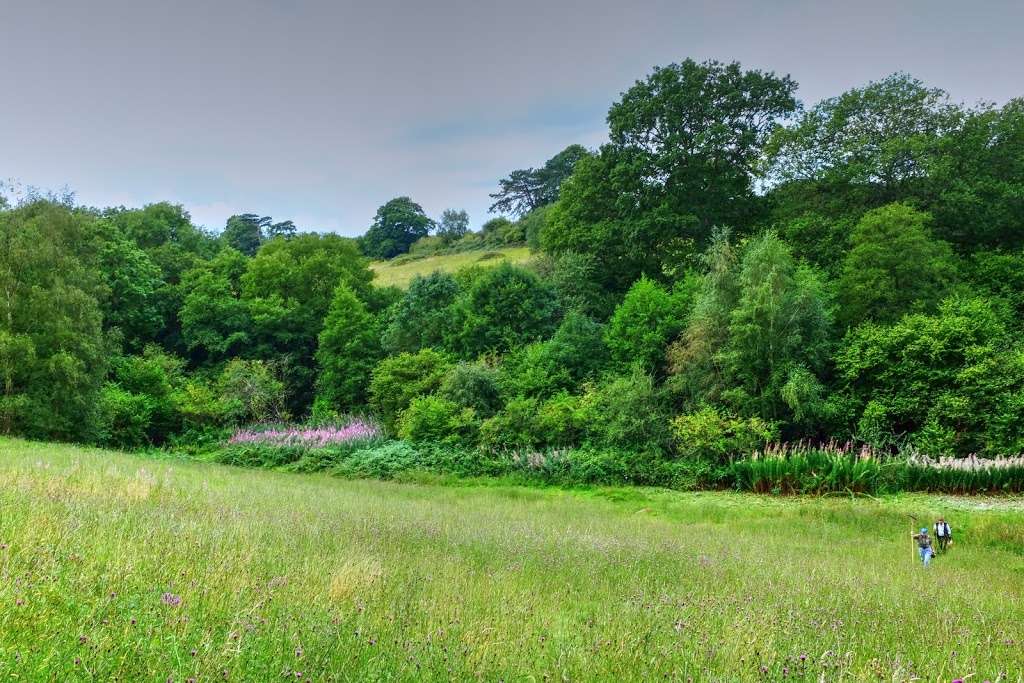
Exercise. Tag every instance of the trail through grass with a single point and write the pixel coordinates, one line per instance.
(401, 274)
(117, 566)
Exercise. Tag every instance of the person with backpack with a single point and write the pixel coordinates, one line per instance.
(943, 534)
(924, 545)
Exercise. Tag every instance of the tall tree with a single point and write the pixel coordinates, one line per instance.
(894, 266)
(453, 225)
(52, 349)
(245, 232)
(684, 146)
(882, 135)
(396, 226)
(527, 189)
(348, 349)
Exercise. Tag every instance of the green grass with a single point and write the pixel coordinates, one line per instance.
(365, 580)
(401, 274)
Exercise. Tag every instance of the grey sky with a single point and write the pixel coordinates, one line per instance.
(321, 111)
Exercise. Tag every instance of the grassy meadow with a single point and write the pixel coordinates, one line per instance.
(125, 567)
(400, 274)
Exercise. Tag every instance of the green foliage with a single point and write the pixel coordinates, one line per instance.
(396, 226)
(893, 267)
(978, 179)
(251, 391)
(244, 233)
(438, 420)
(215, 322)
(423, 316)
(759, 335)
(683, 146)
(883, 135)
(472, 385)
(998, 274)
(397, 380)
(52, 349)
(532, 224)
(646, 321)
(951, 382)
(526, 190)
(626, 411)
(503, 308)
(348, 349)
(575, 279)
(707, 434)
(453, 225)
(132, 280)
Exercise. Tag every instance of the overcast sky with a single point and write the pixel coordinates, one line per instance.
(320, 111)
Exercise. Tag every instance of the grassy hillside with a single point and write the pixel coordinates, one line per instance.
(115, 566)
(400, 274)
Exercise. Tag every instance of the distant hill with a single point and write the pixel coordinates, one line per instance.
(401, 271)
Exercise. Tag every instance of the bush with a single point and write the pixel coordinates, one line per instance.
(396, 381)
(472, 385)
(952, 382)
(645, 322)
(423, 316)
(503, 308)
(626, 412)
(251, 391)
(124, 418)
(383, 461)
(348, 348)
(435, 419)
(708, 435)
(512, 427)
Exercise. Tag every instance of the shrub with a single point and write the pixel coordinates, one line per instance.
(251, 391)
(435, 419)
(503, 308)
(708, 435)
(627, 412)
(348, 348)
(422, 317)
(558, 421)
(512, 427)
(472, 385)
(396, 381)
(383, 461)
(124, 418)
(952, 382)
(645, 322)
(531, 370)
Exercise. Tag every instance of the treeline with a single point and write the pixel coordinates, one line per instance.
(731, 269)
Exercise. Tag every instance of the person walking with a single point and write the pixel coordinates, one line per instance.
(924, 545)
(943, 534)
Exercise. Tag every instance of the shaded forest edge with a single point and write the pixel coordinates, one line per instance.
(733, 271)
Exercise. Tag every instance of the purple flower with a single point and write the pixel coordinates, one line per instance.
(171, 599)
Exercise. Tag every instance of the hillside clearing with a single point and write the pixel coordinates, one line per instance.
(119, 566)
(401, 274)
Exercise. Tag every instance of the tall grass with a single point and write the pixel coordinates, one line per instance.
(832, 468)
(116, 567)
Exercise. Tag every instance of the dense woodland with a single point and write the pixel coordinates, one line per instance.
(733, 268)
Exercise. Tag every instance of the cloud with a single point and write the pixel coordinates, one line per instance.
(324, 110)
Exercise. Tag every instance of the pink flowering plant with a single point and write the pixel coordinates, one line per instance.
(355, 430)
(301, 447)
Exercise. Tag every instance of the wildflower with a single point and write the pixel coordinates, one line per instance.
(171, 599)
